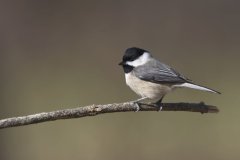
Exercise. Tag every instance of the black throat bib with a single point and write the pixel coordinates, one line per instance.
(127, 68)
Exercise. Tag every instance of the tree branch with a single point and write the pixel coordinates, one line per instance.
(94, 110)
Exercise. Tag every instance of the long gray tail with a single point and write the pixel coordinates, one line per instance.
(194, 86)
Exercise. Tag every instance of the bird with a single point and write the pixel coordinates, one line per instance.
(151, 79)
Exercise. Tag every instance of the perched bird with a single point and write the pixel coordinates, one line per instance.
(152, 79)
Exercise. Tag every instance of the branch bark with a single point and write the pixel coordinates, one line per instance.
(93, 110)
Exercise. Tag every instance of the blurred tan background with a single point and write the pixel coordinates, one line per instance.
(63, 54)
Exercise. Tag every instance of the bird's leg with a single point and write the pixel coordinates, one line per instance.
(159, 103)
(137, 101)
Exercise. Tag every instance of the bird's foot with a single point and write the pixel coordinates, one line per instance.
(159, 105)
(137, 106)
(136, 103)
(160, 108)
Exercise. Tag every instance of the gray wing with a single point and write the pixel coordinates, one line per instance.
(157, 72)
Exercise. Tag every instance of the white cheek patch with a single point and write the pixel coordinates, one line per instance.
(140, 61)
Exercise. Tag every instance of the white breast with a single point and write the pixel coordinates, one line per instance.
(146, 89)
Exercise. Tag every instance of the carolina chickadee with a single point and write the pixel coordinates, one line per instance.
(152, 79)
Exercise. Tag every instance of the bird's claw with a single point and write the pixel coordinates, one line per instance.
(137, 106)
(160, 108)
(159, 105)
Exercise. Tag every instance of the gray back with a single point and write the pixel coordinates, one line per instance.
(158, 72)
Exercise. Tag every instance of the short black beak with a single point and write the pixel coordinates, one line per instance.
(121, 63)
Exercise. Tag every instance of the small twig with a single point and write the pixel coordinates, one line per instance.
(94, 110)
